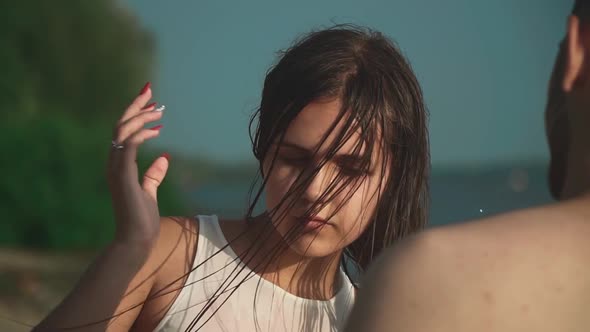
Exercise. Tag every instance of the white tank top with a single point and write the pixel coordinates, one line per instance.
(256, 305)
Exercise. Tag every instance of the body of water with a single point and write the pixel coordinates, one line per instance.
(457, 195)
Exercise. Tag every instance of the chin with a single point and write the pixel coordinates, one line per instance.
(312, 245)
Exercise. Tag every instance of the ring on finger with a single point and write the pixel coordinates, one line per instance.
(116, 145)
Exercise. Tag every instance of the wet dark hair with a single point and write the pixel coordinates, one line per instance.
(582, 9)
(558, 148)
(381, 100)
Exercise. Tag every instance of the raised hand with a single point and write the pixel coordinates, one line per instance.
(135, 204)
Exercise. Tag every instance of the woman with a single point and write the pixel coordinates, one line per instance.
(342, 145)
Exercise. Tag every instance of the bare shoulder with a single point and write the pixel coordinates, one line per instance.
(520, 240)
(177, 243)
(171, 261)
(514, 271)
(536, 234)
(538, 248)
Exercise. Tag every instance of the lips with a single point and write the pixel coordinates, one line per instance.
(318, 219)
(313, 222)
(313, 219)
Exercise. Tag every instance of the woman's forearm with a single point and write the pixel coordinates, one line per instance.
(102, 291)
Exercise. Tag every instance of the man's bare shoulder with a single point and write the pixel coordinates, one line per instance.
(551, 232)
(542, 241)
(511, 270)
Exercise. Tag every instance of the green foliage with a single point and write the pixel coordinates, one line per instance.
(54, 193)
(84, 58)
(69, 71)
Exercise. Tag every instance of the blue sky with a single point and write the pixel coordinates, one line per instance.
(483, 65)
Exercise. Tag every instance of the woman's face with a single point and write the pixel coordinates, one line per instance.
(340, 221)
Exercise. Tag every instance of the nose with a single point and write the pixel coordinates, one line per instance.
(317, 185)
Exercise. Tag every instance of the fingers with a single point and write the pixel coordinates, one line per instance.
(132, 144)
(130, 134)
(138, 103)
(123, 163)
(149, 107)
(155, 174)
(124, 130)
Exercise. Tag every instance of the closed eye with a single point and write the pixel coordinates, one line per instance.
(354, 171)
(352, 166)
(295, 161)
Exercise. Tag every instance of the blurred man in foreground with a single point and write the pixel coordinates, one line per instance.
(527, 270)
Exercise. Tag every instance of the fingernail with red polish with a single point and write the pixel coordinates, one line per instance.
(158, 127)
(145, 88)
(166, 155)
(150, 105)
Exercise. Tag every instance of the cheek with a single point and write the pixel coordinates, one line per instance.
(278, 182)
(358, 211)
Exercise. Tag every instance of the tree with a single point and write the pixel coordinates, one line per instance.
(69, 71)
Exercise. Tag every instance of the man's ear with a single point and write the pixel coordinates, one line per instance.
(577, 54)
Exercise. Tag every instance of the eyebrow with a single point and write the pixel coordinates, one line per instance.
(292, 145)
(342, 156)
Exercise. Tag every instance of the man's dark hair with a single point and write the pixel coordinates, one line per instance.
(582, 9)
